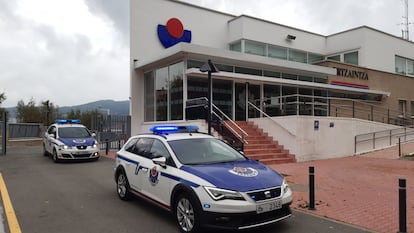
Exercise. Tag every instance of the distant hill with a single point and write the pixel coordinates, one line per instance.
(114, 107)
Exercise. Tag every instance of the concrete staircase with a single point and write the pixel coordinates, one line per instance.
(262, 147)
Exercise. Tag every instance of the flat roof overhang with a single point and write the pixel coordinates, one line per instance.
(225, 56)
(279, 81)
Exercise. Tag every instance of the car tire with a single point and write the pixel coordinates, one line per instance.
(187, 213)
(122, 186)
(55, 156)
(45, 153)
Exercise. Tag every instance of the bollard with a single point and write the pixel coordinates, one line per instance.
(106, 146)
(402, 206)
(119, 144)
(311, 188)
(399, 146)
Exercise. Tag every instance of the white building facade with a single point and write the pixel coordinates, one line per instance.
(282, 71)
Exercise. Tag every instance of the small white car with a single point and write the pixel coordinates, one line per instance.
(203, 181)
(70, 140)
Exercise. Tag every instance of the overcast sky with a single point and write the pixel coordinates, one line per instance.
(77, 51)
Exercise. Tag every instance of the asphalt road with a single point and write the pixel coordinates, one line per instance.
(81, 197)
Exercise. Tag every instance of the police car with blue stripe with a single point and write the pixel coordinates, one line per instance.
(203, 181)
(70, 140)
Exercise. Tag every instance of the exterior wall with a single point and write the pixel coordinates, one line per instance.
(400, 87)
(245, 27)
(298, 135)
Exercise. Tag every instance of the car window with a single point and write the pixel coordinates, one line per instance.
(158, 149)
(142, 147)
(52, 130)
(73, 132)
(204, 151)
(130, 146)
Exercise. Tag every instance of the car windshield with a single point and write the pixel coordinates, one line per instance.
(74, 132)
(204, 151)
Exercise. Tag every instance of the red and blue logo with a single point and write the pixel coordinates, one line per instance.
(173, 33)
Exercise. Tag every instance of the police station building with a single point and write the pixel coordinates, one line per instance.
(313, 93)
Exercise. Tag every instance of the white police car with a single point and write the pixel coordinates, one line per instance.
(203, 181)
(68, 140)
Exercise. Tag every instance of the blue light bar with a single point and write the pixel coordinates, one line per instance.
(66, 121)
(162, 129)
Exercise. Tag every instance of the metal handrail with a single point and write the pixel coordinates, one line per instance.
(228, 119)
(267, 116)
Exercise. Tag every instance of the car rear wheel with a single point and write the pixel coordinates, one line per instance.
(122, 186)
(187, 214)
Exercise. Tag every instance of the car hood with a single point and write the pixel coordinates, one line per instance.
(240, 176)
(78, 141)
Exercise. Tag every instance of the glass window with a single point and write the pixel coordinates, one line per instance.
(244, 70)
(399, 65)
(149, 82)
(298, 56)
(272, 101)
(236, 46)
(131, 145)
(410, 67)
(402, 107)
(226, 68)
(320, 80)
(176, 91)
(334, 58)
(289, 76)
(412, 108)
(255, 48)
(277, 52)
(305, 78)
(315, 58)
(351, 58)
(194, 64)
(161, 93)
(143, 146)
(268, 73)
(289, 100)
(222, 96)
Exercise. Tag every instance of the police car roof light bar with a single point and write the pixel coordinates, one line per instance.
(66, 121)
(162, 129)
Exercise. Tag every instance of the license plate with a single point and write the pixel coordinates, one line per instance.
(266, 207)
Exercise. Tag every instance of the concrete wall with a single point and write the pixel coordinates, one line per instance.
(334, 138)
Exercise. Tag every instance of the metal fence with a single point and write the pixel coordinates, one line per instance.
(24, 130)
(112, 131)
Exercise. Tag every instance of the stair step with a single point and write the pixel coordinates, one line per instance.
(277, 161)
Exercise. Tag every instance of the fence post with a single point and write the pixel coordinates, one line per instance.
(311, 188)
(402, 206)
(106, 146)
(4, 133)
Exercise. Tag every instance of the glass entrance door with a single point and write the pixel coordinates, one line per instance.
(241, 99)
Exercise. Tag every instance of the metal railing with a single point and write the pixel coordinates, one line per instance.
(382, 139)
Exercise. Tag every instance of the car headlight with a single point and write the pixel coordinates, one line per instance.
(285, 186)
(64, 147)
(221, 194)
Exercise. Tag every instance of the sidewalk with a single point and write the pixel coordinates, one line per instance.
(359, 190)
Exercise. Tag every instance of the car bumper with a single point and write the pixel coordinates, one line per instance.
(240, 221)
(78, 154)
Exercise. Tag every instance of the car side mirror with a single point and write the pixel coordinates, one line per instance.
(94, 135)
(52, 135)
(162, 161)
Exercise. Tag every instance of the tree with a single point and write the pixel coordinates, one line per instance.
(84, 117)
(30, 113)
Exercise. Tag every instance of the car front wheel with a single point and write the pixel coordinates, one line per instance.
(187, 214)
(122, 186)
(55, 156)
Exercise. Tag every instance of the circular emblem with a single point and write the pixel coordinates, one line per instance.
(244, 171)
(153, 176)
(175, 28)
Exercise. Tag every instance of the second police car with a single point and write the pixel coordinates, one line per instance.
(203, 181)
(70, 140)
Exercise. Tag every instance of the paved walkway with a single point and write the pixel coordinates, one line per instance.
(359, 190)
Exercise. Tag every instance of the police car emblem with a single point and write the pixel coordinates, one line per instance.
(244, 171)
(153, 176)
